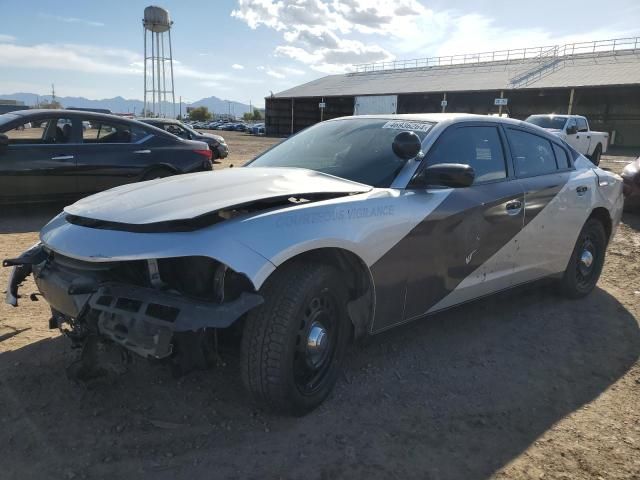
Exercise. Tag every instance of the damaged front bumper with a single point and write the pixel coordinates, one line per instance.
(141, 319)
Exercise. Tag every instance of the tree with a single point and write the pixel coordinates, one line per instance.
(200, 114)
(257, 115)
(247, 116)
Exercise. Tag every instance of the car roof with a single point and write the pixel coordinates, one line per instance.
(457, 118)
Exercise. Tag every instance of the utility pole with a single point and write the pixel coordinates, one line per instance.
(180, 107)
(53, 94)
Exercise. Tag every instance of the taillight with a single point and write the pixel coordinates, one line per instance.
(206, 153)
(206, 164)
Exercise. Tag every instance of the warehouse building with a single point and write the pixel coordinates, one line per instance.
(599, 79)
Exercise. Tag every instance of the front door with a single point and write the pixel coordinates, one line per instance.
(461, 250)
(40, 161)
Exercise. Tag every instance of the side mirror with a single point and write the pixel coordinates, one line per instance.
(4, 142)
(572, 130)
(451, 175)
(407, 145)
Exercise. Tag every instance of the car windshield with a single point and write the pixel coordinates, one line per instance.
(358, 149)
(548, 121)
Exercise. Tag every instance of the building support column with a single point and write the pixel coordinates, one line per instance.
(500, 106)
(444, 99)
(292, 100)
(570, 109)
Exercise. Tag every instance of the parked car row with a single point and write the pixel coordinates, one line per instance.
(257, 128)
(64, 154)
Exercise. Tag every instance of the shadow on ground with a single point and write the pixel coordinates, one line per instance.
(458, 395)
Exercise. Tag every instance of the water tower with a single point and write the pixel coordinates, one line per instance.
(157, 66)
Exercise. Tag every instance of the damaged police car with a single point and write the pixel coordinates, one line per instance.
(351, 227)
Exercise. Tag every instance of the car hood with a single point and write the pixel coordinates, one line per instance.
(184, 197)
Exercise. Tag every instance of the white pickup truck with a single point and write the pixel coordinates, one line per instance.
(574, 129)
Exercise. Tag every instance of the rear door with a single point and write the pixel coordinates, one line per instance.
(112, 153)
(583, 137)
(573, 139)
(557, 199)
(40, 161)
(471, 228)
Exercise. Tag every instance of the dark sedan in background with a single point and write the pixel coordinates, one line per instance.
(218, 146)
(631, 186)
(63, 154)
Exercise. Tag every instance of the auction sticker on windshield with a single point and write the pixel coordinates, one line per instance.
(415, 126)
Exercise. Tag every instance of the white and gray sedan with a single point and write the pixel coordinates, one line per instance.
(349, 228)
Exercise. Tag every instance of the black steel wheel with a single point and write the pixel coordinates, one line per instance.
(293, 345)
(587, 259)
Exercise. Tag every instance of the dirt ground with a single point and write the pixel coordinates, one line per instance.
(525, 385)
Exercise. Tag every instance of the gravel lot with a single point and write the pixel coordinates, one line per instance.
(524, 385)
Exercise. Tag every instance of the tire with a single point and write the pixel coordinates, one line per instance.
(158, 172)
(583, 270)
(279, 367)
(595, 156)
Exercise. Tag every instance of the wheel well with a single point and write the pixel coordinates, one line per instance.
(358, 278)
(158, 167)
(602, 215)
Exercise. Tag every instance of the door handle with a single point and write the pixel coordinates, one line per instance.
(514, 207)
(581, 190)
(63, 157)
(142, 151)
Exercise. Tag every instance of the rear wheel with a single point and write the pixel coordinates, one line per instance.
(294, 344)
(595, 156)
(587, 259)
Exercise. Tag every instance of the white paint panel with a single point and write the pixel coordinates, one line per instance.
(375, 104)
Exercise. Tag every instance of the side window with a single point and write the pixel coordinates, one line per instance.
(176, 130)
(97, 131)
(562, 159)
(46, 131)
(532, 155)
(582, 125)
(479, 147)
(571, 123)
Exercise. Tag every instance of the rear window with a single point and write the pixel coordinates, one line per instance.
(548, 121)
(561, 157)
(533, 155)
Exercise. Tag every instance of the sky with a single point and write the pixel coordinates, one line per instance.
(245, 49)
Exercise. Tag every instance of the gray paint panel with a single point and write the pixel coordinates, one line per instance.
(468, 227)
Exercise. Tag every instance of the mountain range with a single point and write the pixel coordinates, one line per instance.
(123, 105)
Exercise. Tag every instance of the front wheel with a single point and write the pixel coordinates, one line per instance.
(293, 345)
(587, 259)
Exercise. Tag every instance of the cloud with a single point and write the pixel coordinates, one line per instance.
(330, 36)
(82, 21)
(237, 66)
(7, 38)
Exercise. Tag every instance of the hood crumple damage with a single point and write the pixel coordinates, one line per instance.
(188, 197)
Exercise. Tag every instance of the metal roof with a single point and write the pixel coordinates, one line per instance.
(620, 67)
